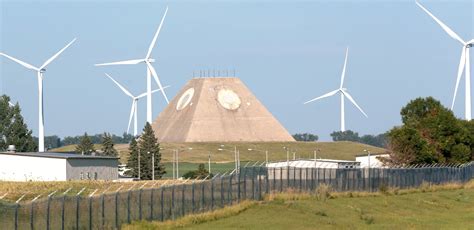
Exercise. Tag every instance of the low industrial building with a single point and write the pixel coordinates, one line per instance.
(311, 163)
(308, 169)
(50, 166)
(372, 160)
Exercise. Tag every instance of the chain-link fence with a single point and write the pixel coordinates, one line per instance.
(112, 210)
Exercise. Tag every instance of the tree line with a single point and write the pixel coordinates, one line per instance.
(54, 141)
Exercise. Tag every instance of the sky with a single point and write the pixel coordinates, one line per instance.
(286, 52)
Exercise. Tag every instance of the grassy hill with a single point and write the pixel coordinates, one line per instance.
(443, 208)
(334, 150)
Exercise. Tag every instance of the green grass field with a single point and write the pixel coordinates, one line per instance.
(200, 151)
(442, 209)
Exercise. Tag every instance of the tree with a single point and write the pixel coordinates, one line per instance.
(347, 135)
(200, 173)
(307, 137)
(132, 162)
(13, 130)
(108, 146)
(85, 146)
(150, 148)
(430, 134)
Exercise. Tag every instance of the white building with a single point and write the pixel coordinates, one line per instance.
(319, 163)
(56, 167)
(372, 159)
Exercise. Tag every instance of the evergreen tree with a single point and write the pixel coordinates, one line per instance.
(150, 148)
(108, 146)
(13, 130)
(85, 146)
(132, 163)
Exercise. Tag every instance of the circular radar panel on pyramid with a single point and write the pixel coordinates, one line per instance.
(185, 99)
(228, 99)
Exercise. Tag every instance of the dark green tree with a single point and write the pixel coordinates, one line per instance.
(85, 146)
(13, 130)
(150, 149)
(132, 163)
(307, 137)
(430, 134)
(347, 135)
(108, 146)
(200, 173)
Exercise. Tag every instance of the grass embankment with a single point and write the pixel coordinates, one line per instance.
(342, 150)
(429, 207)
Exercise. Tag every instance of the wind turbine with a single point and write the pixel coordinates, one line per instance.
(150, 70)
(40, 72)
(134, 109)
(463, 64)
(344, 93)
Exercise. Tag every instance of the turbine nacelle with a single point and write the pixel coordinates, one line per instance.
(150, 60)
(42, 70)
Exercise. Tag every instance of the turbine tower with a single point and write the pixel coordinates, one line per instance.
(344, 93)
(134, 109)
(463, 64)
(150, 71)
(40, 72)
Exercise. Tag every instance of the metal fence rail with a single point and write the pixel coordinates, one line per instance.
(112, 210)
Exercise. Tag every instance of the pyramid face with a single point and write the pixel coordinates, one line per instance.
(217, 110)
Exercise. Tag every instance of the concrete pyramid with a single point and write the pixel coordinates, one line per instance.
(217, 110)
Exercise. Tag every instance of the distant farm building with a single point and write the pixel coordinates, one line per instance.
(48, 166)
(217, 110)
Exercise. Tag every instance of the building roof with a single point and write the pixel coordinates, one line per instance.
(57, 155)
(320, 163)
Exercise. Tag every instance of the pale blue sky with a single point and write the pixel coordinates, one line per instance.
(286, 52)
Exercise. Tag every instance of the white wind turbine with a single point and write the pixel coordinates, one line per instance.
(150, 70)
(344, 93)
(40, 72)
(134, 109)
(463, 64)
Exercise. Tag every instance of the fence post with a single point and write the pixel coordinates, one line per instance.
(192, 197)
(116, 211)
(245, 182)
(128, 206)
(238, 187)
(222, 192)
(162, 204)
(152, 202)
(32, 216)
(281, 179)
(259, 183)
(90, 212)
(229, 190)
(17, 206)
(77, 210)
(202, 195)
(172, 202)
(267, 181)
(140, 204)
(212, 194)
(182, 200)
(253, 183)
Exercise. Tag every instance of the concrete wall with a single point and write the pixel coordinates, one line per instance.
(92, 169)
(26, 168)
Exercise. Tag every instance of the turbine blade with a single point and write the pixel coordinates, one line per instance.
(445, 27)
(344, 68)
(57, 54)
(20, 62)
(120, 86)
(353, 102)
(153, 72)
(127, 62)
(323, 96)
(156, 35)
(131, 115)
(462, 63)
(154, 91)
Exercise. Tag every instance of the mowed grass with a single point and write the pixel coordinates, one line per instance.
(445, 208)
(343, 150)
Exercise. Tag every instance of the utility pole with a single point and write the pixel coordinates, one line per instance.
(177, 163)
(139, 165)
(152, 165)
(266, 157)
(174, 162)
